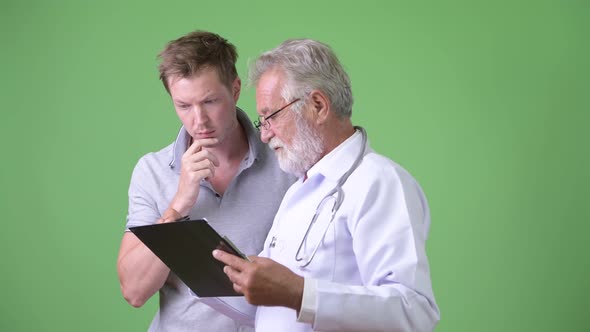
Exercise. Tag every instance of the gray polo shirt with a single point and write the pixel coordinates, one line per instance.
(244, 213)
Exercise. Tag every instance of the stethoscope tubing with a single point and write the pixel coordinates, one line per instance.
(338, 195)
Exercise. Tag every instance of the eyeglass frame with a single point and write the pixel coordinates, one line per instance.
(265, 123)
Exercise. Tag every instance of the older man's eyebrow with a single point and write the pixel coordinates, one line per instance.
(264, 112)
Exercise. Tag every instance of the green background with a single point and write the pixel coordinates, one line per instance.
(485, 103)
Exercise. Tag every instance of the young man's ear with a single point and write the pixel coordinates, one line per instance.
(236, 88)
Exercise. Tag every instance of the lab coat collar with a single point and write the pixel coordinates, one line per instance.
(333, 165)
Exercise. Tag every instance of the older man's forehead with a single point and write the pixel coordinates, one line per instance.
(268, 93)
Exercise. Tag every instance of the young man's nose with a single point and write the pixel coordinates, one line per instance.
(199, 115)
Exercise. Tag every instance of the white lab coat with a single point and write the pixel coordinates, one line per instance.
(370, 272)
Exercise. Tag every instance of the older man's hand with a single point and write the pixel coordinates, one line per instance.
(263, 281)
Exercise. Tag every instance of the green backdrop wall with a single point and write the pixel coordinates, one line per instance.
(486, 103)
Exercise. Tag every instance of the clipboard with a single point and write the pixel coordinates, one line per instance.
(185, 247)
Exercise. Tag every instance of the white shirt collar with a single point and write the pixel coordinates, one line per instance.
(338, 161)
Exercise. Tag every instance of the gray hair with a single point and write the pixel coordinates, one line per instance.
(308, 65)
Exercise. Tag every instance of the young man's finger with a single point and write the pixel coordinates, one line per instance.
(200, 143)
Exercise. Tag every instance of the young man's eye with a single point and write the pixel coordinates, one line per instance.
(211, 101)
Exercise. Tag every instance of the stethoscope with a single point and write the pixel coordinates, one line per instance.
(336, 195)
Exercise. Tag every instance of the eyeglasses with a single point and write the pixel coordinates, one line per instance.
(263, 122)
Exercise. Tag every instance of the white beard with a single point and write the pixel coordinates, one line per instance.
(305, 150)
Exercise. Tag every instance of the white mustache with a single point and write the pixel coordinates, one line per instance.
(275, 143)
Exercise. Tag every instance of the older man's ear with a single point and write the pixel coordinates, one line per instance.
(320, 106)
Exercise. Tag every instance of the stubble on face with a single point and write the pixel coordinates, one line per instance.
(205, 105)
